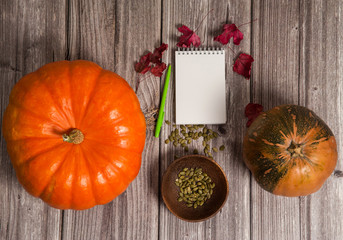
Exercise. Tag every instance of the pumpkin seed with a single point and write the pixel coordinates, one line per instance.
(166, 141)
(195, 151)
(215, 149)
(221, 148)
(186, 149)
(167, 122)
(194, 187)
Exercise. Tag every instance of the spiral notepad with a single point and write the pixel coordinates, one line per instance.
(200, 86)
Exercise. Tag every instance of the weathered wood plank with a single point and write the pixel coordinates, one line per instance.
(275, 45)
(32, 34)
(114, 34)
(234, 219)
(321, 88)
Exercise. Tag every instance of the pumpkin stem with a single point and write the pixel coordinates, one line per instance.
(295, 150)
(74, 136)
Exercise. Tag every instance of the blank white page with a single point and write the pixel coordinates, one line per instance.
(200, 87)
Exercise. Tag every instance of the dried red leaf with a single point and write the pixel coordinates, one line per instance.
(158, 69)
(252, 111)
(157, 55)
(144, 64)
(189, 37)
(230, 31)
(242, 65)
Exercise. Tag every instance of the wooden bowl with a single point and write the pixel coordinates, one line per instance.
(170, 192)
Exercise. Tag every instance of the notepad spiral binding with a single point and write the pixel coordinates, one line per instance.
(200, 51)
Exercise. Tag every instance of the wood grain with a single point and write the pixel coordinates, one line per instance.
(236, 212)
(275, 45)
(114, 34)
(298, 52)
(32, 34)
(321, 90)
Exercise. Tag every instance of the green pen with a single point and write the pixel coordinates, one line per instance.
(163, 102)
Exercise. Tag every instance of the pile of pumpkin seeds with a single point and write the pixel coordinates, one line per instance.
(195, 187)
(188, 133)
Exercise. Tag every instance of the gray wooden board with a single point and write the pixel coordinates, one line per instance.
(32, 34)
(321, 90)
(297, 47)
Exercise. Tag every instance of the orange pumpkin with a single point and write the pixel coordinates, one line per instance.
(75, 134)
(290, 151)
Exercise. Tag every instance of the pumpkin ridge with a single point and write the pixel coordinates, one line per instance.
(90, 169)
(27, 161)
(22, 107)
(116, 121)
(114, 146)
(107, 161)
(65, 115)
(29, 138)
(52, 176)
(118, 169)
(85, 159)
(91, 96)
(274, 175)
(309, 161)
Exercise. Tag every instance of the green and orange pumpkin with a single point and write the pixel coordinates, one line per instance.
(290, 151)
(75, 134)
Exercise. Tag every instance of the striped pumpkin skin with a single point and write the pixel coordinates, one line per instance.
(290, 151)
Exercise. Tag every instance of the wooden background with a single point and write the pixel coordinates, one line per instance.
(298, 52)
